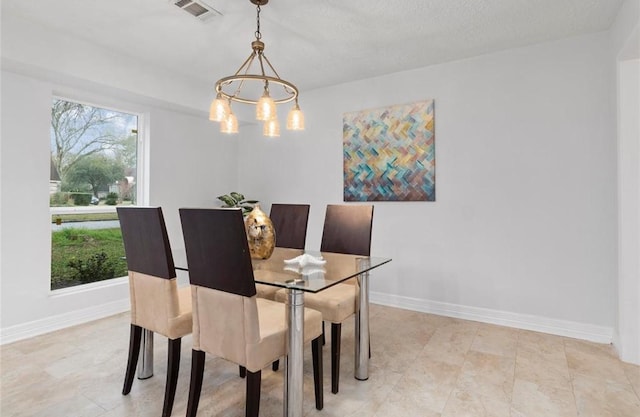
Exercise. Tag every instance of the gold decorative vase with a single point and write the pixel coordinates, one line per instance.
(260, 234)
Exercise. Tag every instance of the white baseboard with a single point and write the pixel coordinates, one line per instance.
(593, 333)
(61, 321)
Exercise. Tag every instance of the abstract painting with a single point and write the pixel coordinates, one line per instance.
(389, 153)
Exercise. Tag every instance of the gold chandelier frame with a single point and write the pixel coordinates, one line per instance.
(266, 104)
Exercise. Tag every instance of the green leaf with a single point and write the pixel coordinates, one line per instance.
(237, 196)
(228, 201)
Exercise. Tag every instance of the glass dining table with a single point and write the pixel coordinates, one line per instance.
(305, 276)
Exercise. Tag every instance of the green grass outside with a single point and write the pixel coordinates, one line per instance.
(85, 246)
(84, 217)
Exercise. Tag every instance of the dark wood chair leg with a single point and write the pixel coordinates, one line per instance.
(134, 350)
(275, 365)
(253, 394)
(316, 352)
(336, 330)
(242, 371)
(173, 368)
(195, 386)
(323, 338)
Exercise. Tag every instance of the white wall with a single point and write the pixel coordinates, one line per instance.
(626, 49)
(523, 231)
(629, 211)
(188, 164)
(32, 48)
(192, 165)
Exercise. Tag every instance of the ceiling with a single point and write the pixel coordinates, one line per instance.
(316, 43)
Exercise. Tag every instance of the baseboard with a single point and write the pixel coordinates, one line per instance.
(598, 334)
(576, 330)
(61, 321)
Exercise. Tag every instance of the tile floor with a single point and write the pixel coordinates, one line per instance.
(422, 365)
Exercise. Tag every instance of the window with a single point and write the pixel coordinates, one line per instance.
(94, 168)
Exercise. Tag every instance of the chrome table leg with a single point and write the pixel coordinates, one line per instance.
(362, 323)
(293, 384)
(145, 360)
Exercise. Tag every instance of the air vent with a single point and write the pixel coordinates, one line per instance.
(197, 8)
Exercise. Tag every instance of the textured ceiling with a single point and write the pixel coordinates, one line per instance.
(316, 43)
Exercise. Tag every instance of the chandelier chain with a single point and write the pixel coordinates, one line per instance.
(258, 34)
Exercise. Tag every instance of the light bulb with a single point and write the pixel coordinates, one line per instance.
(295, 118)
(229, 124)
(271, 128)
(266, 107)
(219, 109)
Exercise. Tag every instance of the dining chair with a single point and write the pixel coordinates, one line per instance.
(229, 320)
(290, 223)
(347, 229)
(157, 304)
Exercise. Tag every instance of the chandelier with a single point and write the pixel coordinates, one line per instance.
(245, 86)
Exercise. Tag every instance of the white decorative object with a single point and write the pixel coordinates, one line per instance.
(310, 270)
(304, 260)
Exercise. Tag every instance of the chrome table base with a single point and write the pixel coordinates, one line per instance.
(362, 324)
(145, 360)
(293, 388)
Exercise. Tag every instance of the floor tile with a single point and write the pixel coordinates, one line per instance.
(602, 398)
(531, 399)
(422, 365)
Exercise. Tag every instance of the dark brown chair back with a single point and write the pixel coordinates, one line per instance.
(146, 242)
(217, 250)
(290, 222)
(347, 229)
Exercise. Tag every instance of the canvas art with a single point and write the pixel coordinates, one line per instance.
(389, 153)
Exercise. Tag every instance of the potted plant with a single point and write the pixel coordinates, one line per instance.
(234, 199)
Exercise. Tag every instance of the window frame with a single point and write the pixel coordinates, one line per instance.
(142, 180)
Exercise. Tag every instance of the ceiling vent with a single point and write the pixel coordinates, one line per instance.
(197, 8)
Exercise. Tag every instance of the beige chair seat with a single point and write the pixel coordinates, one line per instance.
(273, 320)
(254, 353)
(266, 291)
(163, 308)
(336, 303)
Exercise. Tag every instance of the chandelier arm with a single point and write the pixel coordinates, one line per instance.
(247, 63)
(270, 66)
(246, 71)
(284, 86)
(266, 82)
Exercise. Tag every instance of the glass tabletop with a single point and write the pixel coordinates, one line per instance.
(315, 274)
(311, 277)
